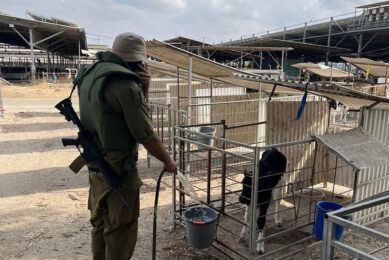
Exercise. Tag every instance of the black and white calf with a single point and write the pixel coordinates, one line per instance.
(271, 169)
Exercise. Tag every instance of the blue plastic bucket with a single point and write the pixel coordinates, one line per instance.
(325, 207)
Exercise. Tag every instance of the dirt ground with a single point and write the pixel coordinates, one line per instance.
(43, 205)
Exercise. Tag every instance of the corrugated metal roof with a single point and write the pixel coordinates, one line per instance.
(64, 44)
(357, 148)
(376, 68)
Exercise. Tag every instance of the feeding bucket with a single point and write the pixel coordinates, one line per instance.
(201, 226)
(203, 139)
(324, 207)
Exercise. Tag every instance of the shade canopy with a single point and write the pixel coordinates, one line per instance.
(65, 39)
(356, 148)
(376, 68)
(323, 70)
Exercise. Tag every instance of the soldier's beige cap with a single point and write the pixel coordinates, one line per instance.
(130, 47)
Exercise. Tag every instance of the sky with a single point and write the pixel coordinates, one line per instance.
(211, 21)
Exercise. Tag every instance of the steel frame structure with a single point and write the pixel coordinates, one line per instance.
(215, 174)
(335, 217)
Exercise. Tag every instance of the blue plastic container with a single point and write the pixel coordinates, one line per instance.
(325, 207)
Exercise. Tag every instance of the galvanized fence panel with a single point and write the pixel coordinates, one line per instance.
(237, 110)
(282, 127)
(374, 180)
(158, 91)
(376, 123)
(262, 112)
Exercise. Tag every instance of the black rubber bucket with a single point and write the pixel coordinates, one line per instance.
(201, 226)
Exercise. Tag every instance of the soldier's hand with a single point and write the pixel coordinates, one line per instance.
(170, 166)
(145, 79)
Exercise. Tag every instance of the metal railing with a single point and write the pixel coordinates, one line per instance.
(335, 217)
(164, 118)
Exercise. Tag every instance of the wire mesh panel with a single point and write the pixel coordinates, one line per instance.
(159, 90)
(374, 180)
(216, 174)
(163, 119)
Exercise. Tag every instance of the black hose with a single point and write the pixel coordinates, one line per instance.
(155, 213)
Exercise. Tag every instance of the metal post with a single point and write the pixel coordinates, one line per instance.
(329, 40)
(284, 34)
(224, 170)
(253, 204)
(312, 181)
(331, 73)
(260, 62)
(334, 181)
(282, 61)
(360, 45)
(53, 59)
(305, 32)
(210, 106)
(328, 236)
(182, 169)
(169, 126)
(33, 70)
(386, 81)
(48, 64)
(209, 176)
(189, 91)
(356, 177)
(178, 88)
(174, 182)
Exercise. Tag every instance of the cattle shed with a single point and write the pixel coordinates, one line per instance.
(189, 92)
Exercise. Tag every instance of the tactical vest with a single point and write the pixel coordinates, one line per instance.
(95, 114)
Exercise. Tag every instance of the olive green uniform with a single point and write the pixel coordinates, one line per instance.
(115, 228)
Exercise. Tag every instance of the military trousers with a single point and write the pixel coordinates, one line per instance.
(115, 228)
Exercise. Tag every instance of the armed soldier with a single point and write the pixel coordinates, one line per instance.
(112, 104)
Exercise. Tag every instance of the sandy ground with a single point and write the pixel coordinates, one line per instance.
(43, 205)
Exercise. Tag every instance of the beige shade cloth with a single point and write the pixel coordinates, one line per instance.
(247, 83)
(180, 58)
(376, 68)
(323, 71)
(172, 57)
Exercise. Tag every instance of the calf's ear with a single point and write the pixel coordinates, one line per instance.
(247, 173)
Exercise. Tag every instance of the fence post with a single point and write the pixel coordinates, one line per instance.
(174, 155)
(253, 204)
(224, 170)
(328, 235)
(170, 125)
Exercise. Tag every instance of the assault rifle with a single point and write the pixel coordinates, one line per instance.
(86, 145)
